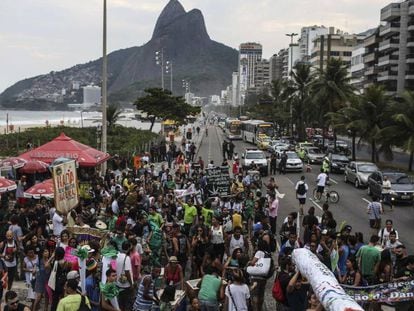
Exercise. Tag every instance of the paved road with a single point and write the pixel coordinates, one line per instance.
(351, 207)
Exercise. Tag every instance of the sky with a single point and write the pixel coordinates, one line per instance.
(39, 36)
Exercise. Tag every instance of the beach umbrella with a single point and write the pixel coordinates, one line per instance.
(33, 167)
(44, 189)
(7, 185)
(10, 163)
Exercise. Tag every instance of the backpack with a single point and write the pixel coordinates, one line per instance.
(83, 306)
(301, 189)
(277, 291)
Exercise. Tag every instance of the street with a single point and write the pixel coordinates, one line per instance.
(351, 207)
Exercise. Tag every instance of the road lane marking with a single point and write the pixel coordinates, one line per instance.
(317, 205)
(290, 180)
(333, 180)
(368, 201)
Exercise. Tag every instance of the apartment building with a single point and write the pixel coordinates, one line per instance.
(395, 62)
(335, 44)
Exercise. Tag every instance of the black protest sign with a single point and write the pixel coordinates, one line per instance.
(218, 181)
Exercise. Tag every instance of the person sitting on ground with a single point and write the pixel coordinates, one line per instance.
(12, 302)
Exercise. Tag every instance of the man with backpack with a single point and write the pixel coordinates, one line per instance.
(301, 188)
(281, 283)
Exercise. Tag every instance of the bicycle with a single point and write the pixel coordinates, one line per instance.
(327, 195)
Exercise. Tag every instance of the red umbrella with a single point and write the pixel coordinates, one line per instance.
(9, 163)
(34, 166)
(44, 189)
(7, 185)
(66, 147)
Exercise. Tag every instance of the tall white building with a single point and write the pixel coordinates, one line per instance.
(235, 89)
(356, 70)
(290, 57)
(307, 36)
(249, 54)
(91, 94)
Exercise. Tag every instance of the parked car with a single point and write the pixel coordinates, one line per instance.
(293, 162)
(402, 187)
(337, 162)
(313, 155)
(341, 147)
(257, 157)
(358, 172)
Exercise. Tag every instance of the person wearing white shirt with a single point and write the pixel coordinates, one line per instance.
(321, 180)
(58, 222)
(386, 191)
(124, 277)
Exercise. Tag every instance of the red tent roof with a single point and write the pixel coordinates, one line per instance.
(64, 146)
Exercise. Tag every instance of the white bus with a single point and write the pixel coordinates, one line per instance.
(254, 131)
(233, 129)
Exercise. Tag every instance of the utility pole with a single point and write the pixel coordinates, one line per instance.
(159, 60)
(291, 35)
(104, 89)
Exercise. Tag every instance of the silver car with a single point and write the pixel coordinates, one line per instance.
(358, 173)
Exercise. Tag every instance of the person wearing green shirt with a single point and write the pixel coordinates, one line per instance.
(190, 214)
(169, 183)
(368, 256)
(211, 289)
(155, 217)
(208, 214)
(72, 301)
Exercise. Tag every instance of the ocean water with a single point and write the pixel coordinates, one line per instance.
(67, 118)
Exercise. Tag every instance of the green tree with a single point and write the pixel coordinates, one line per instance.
(159, 103)
(331, 89)
(401, 132)
(112, 115)
(372, 114)
(301, 96)
(342, 121)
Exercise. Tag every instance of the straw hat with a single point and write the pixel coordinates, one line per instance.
(101, 225)
(173, 259)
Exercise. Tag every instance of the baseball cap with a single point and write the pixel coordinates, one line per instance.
(72, 275)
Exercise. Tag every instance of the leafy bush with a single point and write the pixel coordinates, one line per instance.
(121, 140)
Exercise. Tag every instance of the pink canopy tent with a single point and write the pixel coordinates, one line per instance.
(64, 146)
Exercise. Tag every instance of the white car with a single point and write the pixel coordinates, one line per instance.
(257, 157)
(279, 148)
(293, 163)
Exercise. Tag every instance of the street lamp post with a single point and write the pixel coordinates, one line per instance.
(104, 89)
(291, 35)
(169, 69)
(159, 60)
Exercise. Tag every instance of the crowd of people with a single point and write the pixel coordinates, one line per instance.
(143, 233)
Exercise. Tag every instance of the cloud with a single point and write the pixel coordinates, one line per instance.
(37, 36)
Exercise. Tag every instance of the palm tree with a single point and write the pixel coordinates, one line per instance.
(402, 131)
(332, 89)
(372, 113)
(300, 88)
(112, 115)
(342, 120)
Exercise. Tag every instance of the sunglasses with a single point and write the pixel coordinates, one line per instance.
(11, 303)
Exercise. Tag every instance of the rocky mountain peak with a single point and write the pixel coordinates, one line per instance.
(171, 12)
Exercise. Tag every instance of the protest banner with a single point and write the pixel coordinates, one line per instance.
(218, 181)
(65, 181)
(392, 292)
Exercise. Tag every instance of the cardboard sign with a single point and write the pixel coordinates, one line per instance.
(218, 181)
(65, 181)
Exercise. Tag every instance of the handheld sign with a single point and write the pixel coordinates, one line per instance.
(218, 181)
(65, 181)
